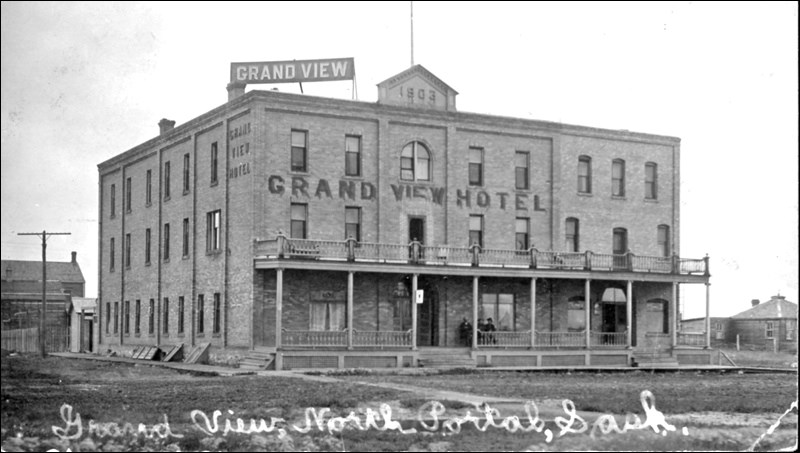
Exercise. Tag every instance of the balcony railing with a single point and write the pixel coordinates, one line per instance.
(609, 339)
(502, 339)
(381, 338)
(441, 255)
(691, 338)
(560, 339)
(314, 338)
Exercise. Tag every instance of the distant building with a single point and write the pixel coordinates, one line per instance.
(769, 325)
(22, 292)
(82, 324)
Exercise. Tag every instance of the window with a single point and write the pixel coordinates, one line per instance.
(299, 146)
(108, 316)
(180, 314)
(584, 174)
(112, 257)
(116, 317)
(151, 325)
(475, 230)
(521, 172)
(137, 323)
(148, 195)
(657, 318)
(790, 327)
(770, 329)
(499, 307)
(147, 240)
(213, 223)
(200, 313)
(415, 162)
(166, 242)
(475, 166)
(127, 250)
(217, 313)
(618, 178)
(166, 180)
(128, 195)
(650, 181)
(185, 173)
(298, 220)
(327, 316)
(521, 236)
(352, 155)
(214, 163)
(576, 314)
(113, 200)
(352, 223)
(620, 248)
(165, 321)
(663, 240)
(717, 325)
(126, 321)
(572, 235)
(185, 238)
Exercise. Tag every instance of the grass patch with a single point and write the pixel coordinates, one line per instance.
(766, 359)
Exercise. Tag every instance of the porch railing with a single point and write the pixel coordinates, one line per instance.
(379, 338)
(504, 339)
(609, 339)
(691, 338)
(560, 339)
(314, 337)
(417, 253)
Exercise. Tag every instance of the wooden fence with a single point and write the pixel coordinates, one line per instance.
(27, 340)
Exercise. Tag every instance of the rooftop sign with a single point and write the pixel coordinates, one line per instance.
(293, 71)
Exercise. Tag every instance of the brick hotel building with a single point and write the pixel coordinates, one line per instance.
(302, 229)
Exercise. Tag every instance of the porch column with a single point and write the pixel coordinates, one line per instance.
(533, 312)
(674, 314)
(629, 314)
(588, 309)
(414, 312)
(708, 318)
(350, 310)
(80, 330)
(475, 312)
(278, 307)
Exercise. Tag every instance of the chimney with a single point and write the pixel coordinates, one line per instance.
(165, 126)
(74, 257)
(235, 89)
(755, 302)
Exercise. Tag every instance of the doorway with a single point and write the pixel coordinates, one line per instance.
(416, 229)
(428, 316)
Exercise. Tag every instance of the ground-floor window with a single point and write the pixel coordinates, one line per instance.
(770, 329)
(576, 314)
(790, 326)
(327, 316)
(656, 318)
(500, 309)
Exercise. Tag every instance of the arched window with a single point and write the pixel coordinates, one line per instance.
(584, 174)
(415, 162)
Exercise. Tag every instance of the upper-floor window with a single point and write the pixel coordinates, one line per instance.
(147, 242)
(166, 242)
(298, 220)
(352, 155)
(620, 241)
(352, 223)
(181, 310)
(476, 230)
(201, 308)
(112, 256)
(521, 170)
(663, 241)
(299, 150)
(128, 250)
(186, 173)
(650, 181)
(113, 200)
(572, 237)
(185, 238)
(165, 316)
(137, 324)
(108, 316)
(475, 166)
(415, 162)
(214, 163)
(126, 321)
(128, 194)
(217, 313)
(521, 236)
(148, 194)
(166, 180)
(213, 227)
(585, 174)
(151, 317)
(618, 178)
(116, 317)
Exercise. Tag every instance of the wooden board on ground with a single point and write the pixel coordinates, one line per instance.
(198, 354)
(136, 351)
(151, 353)
(174, 354)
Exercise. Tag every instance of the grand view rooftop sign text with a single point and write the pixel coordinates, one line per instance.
(293, 71)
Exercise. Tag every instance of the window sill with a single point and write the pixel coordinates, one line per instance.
(181, 335)
(165, 335)
(651, 200)
(166, 260)
(200, 335)
(166, 199)
(214, 252)
(354, 177)
(186, 192)
(426, 182)
(300, 172)
(112, 216)
(147, 205)
(618, 197)
(137, 335)
(111, 271)
(151, 335)
(585, 194)
(147, 264)
(216, 335)
(214, 183)
(184, 257)
(127, 211)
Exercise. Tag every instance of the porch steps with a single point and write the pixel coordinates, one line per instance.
(445, 358)
(257, 360)
(643, 359)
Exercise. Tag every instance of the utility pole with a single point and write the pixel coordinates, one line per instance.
(44, 235)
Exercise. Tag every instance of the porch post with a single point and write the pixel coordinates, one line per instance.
(350, 310)
(708, 319)
(80, 330)
(278, 307)
(475, 312)
(674, 314)
(533, 312)
(629, 314)
(588, 308)
(414, 312)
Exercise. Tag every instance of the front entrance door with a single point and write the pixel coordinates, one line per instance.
(416, 229)
(428, 317)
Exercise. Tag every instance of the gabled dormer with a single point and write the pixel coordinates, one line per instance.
(417, 87)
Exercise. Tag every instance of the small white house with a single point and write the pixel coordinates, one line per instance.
(83, 335)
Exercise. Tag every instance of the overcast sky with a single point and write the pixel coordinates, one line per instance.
(83, 82)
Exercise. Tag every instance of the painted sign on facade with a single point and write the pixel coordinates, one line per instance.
(293, 71)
